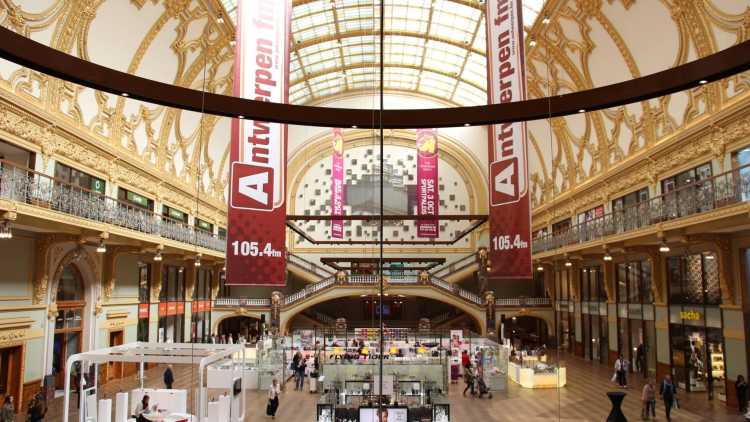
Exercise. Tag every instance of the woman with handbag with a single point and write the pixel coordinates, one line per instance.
(273, 398)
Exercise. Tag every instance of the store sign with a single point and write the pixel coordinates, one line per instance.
(427, 180)
(143, 310)
(162, 309)
(204, 225)
(171, 308)
(137, 199)
(97, 185)
(257, 202)
(690, 315)
(510, 218)
(177, 215)
(337, 183)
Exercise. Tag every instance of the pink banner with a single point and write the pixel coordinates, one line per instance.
(427, 180)
(337, 183)
(510, 218)
(257, 196)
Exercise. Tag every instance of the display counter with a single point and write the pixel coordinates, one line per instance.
(537, 377)
(222, 375)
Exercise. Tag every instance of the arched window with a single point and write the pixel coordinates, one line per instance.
(70, 286)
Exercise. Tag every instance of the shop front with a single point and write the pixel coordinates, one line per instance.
(696, 326)
(636, 329)
(594, 314)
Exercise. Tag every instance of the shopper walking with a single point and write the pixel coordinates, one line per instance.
(273, 398)
(469, 379)
(8, 413)
(668, 392)
(741, 388)
(301, 366)
(168, 377)
(648, 397)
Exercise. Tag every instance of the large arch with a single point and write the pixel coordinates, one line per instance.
(218, 316)
(545, 314)
(474, 311)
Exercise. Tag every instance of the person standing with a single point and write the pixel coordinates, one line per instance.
(8, 413)
(640, 358)
(273, 398)
(648, 397)
(741, 388)
(621, 368)
(668, 392)
(301, 366)
(465, 360)
(37, 408)
(168, 377)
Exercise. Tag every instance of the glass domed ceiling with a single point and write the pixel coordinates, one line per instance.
(432, 47)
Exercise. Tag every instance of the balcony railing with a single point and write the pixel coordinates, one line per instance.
(698, 197)
(242, 302)
(25, 185)
(523, 301)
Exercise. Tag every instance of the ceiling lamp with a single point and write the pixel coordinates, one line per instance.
(540, 268)
(197, 261)
(5, 232)
(664, 247)
(568, 264)
(607, 256)
(101, 248)
(158, 256)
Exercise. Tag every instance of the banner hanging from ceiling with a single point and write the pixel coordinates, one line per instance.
(427, 180)
(257, 196)
(337, 183)
(509, 214)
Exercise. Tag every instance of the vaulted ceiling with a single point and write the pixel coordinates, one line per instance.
(434, 48)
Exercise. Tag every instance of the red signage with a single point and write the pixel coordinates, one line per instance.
(257, 195)
(510, 218)
(143, 310)
(180, 308)
(162, 309)
(337, 183)
(171, 308)
(427, 180)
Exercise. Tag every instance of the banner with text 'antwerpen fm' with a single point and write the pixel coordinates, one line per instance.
(427, 179)
(337, 183)
(257, 197)
(510, 219)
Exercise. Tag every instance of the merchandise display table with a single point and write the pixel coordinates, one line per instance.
(531, 378)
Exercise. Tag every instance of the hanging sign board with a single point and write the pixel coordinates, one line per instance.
(257, 197)
(509, 216)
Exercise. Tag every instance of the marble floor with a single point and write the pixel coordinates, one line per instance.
(583, 399)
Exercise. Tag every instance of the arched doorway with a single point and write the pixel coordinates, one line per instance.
(236, 326)
(69, 322)
(526, 331)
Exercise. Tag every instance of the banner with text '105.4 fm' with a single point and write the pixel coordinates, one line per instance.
(257, 198)
(510, 218)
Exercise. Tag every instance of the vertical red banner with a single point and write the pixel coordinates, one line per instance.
(257, 193)
(337, 183)
(510, 211)
(427, 180)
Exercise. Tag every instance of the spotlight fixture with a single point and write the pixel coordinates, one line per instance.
(568, 264)
(180, 270)
(467, 124)
(158, 256)
(354, 126)
(607, 256)
(102, 247)
(710, 256)
(540, 268)
(664, 247)
(224, 268)
(532, 43)
(125, 94)
(5, 232)
(703, 82)
(240, 117)
(197, 262)
(582, 110)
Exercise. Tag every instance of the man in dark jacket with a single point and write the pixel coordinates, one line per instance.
(168, 377)
(37, 407)
(668, 392)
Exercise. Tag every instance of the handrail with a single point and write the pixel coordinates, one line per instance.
(464, 262)
(21, 184)
(308, 265)
(523, 301)
(233, 301)
(698, 197)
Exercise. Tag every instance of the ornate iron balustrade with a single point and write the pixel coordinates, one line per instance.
(523, 301)
(30, 187)
(242, 302)
(698, 197)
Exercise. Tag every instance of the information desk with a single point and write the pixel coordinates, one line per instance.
(533, 378)
(166, 401)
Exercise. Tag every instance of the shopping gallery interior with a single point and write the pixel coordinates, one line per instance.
(374, 210)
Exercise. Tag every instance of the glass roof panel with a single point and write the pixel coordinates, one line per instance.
(433, 47)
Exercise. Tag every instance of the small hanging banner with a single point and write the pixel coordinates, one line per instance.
(427, 179)
(337, 183)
